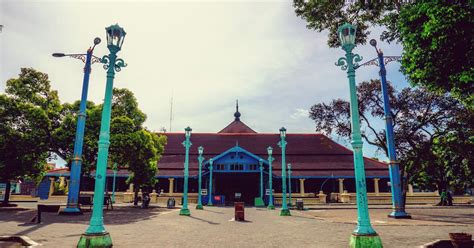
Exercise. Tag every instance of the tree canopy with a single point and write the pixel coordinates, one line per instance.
(438, 47)
(34, 123)
(28, 114)
(427, 127)
(436, 37)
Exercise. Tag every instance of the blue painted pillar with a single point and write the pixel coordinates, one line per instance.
(261, 178)
(113, 182)
(209, 193)
(72, 205)
(397, 205)
(289, 184)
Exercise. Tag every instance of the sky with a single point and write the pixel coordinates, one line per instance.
(204, 55)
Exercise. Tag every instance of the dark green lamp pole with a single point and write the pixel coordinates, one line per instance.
(284, 206)
(261, 177)
(364, 235)
(209, 193)
(289, 184)
(259, 200)
(270, 177)
(200, 159)
(96, 235)
(113, 182)
(187, 143)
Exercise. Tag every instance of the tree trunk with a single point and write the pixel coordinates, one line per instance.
(404, 179)
(135, 197)
(7, 194)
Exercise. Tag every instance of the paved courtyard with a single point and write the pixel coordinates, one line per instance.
(214, 227)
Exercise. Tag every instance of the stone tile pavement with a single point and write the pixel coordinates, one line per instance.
(214, 227)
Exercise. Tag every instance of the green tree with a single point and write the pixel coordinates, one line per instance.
(29, 112)
(132, 146)
(322, 15)
(436, 36)
(438, 47)
(421, 118)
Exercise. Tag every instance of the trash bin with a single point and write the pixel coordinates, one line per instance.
(299, 204)
(239, 211)
(171, 203)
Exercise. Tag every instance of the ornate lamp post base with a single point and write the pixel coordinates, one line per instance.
(185, 212)
(199, 207)
(71, 211)
(365, 241)
(271, 207)
(399, 215)
(258, 202)
(285, 212)
(102, 240)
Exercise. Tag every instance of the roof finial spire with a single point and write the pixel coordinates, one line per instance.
(237, 113)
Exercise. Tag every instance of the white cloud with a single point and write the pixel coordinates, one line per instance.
(300, 113)
(207, 54)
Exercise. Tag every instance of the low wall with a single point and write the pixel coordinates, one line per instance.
(416, 198)
(309, 198)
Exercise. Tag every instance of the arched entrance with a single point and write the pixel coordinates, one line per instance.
(236, 175)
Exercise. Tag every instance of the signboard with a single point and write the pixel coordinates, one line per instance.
(238, 195)
(217, 198)
(267, 192)
(3, 191)
(203, 191)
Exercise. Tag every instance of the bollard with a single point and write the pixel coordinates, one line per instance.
(239, 211)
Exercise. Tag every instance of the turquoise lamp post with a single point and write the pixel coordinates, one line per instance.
(270, 178)
(364, 235)
(289, 185)
(259, 200)
(187, 143)
(96, 235)
(72, 206)
(113, 182)
(284, 206)
(261, 177)
(200, 159)
(209, 191)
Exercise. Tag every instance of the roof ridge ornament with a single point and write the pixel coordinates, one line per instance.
(237, 113)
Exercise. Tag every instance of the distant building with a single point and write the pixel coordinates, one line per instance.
(318, 164)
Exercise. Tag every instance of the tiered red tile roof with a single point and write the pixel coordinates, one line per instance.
(311, 155)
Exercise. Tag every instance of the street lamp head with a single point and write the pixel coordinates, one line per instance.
(58, 55)
(373, 42)
(200, 150)
(347, 34)
(97, 40)
(282, 132)
(188, 131)
(211, 161)
(270, 150)
(115, 36)
(289, 166)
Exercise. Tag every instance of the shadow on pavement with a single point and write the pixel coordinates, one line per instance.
(119, 216)
(216, 212)
(203, 220)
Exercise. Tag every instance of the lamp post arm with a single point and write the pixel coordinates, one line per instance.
(375, 61)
